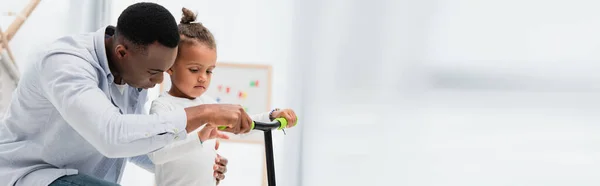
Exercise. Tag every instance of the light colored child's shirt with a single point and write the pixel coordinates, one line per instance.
(189, 161)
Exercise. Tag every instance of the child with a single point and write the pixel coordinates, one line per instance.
(191, 161)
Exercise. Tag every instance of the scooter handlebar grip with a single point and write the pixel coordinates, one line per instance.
(283, 123)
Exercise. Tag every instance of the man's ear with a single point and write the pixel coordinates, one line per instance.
(121, 51)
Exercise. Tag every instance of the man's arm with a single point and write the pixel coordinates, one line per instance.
(71, 84)
(176, 149)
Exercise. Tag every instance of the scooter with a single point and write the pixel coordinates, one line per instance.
(267, 127)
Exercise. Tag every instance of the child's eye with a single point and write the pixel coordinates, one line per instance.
(193, 70)
(209, 72)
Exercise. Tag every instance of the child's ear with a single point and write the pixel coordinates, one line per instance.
(170, 71)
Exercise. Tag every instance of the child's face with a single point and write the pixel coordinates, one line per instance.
(193, 68)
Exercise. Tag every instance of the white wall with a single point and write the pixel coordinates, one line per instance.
(256, 32)
(462, 92)
(49, 21)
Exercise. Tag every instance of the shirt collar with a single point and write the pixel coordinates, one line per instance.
(99, 37)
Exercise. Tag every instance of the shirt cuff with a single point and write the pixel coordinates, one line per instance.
(177, 121)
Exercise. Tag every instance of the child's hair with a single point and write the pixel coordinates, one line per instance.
(191, 31)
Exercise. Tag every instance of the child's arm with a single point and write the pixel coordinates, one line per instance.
(264, 117)
(174, 150)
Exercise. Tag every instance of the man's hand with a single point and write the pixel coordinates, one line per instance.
(241, 125)
(288, 114)
(220, 166)
(232, 116)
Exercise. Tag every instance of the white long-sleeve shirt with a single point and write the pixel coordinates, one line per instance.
(189, 161)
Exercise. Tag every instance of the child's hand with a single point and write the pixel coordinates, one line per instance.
(220, 166)
(210, 132)
(288, 114)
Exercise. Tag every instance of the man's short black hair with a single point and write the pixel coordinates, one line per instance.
(145, 23)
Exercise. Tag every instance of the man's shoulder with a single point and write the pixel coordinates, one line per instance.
(81, 45)
(71, 50)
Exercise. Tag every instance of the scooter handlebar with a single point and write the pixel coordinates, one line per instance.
(278, 123)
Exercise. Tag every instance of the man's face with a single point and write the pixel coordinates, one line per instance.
(144, 69)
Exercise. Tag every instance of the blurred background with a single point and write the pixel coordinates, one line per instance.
(399, 92)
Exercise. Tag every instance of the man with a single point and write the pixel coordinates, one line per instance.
(75, 117)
